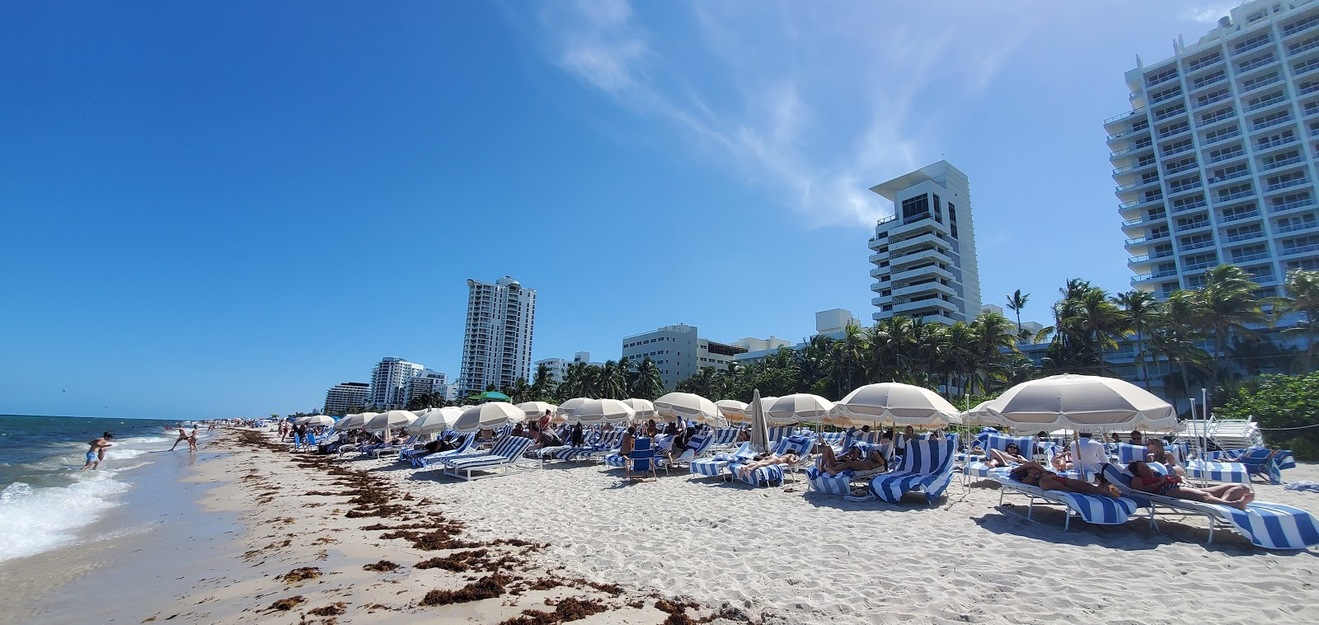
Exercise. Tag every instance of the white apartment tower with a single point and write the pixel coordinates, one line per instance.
(390, 382)
(497, 340)
(1215, 163)
(345, 396)
(925, 254)
(678, 352)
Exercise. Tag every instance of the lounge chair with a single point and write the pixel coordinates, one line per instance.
(798, 444)
(725, 438)
(505, 453)
(1227, 472)
(926, 467)
(607, 443)
(390, 450)
(465, 444)
(780, 432)
(695, 449)
(1093, 509)
(976, 467)
(642, 458)
(1264, 524)
(841, 483)
(717, 466)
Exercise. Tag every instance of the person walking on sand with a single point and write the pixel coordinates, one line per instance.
(96, 452)
(192, 440)
(183, 436)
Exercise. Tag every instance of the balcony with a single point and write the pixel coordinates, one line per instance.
(1229, 218)
(926, 271)
(1199, 104)
(1198, 245)
(1271, 123)
(898, 248)
(1144, 200)
(1122, 116)
(1244, 236)
(907, 260)
(1300, 249)
(1266, 104)
(1282, 163)
(1275, 143)
(1295, 227)
(1253, 45)
(1193, 225)
(1146, 239)
(1153, 275)
(1229, 176)
(1257, 63)
(1140, 146)
(1200, 64)
(1143, 220)
(927, 287)
(1188, 206)
(1298, 48)
(1233, 196)
(1136, 185)
(1165, 96)
(1286, 184)
(1199, 266)
(1292, 205)
(1245, 258)
(1238, 153)
(1185, 187)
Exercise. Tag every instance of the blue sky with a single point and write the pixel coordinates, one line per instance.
(222, 209)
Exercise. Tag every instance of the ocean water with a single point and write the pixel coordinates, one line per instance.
(44, 498)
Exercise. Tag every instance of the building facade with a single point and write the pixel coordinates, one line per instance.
(428, 382)
(925, 254)
(344, 396)
(501, 318)
(1215, 161)
(390, 382)
(678, 352)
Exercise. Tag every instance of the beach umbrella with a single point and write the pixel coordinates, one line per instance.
(389, 419)
(535, 409)
(894, 403)
(353, 421)
(643, 408)
(488, 416)
(687, 406)
(798, 407)
(603, 410)
(316, 420)
(733, 410)
(1084, 403)
(567, 408)
(492, 396)
(980, 415)
(435, 420)
(759, 428)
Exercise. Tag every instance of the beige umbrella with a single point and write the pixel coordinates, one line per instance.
(567, 408)
(686, 406)
(798, 407)
(353, 421)
(488, 416)
(980, 415)
(536, 409)
(435, 420)
(1084, 403)
(643, 408)
(893, 403)
(733, 410)
(389, 419)
(314, 420)
(603, 410)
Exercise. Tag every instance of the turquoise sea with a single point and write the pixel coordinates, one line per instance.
(44, 498)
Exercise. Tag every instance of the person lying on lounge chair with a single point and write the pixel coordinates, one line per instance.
(852, 459)
(746, 470)
(1143, 478)
(1034, 474)
(1062, 461)
(1001, 458)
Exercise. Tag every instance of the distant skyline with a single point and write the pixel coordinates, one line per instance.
(221, 210)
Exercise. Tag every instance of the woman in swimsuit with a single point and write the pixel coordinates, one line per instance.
(1009, 457)
(851, 459)
(1034, 474)
(746, 469)
(1146, 480)
(1159, 454)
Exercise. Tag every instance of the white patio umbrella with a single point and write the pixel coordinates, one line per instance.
(642, 408)
(353, 421)
(894, 403)
(1084, 403)
(686, 406)
(435, 420)
(759, 429)
(980, 414)
(797, 407)
(733, 410)
(567, 408)
(603, 410)
(536, 409)
(389, 419)
(315, 420)
(488, 416)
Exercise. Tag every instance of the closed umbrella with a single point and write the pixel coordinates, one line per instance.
(893, 403)
(759, 429)
(798, 407)
(435, 420)
(389, 419)
(488, 416)
(1085, 403)
(603, 410)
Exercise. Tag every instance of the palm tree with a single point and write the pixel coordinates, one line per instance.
(542, 384)
(1016, 302)
(574, 382)
(520, 391)
(704, 383)
(612, 381)
(1173, 335)
(1302, 296)
(994, 348)
(1227, 303)
(1139, 307)
(648, 383)
(849, 352)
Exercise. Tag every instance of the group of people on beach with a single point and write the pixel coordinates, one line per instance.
(185, 436)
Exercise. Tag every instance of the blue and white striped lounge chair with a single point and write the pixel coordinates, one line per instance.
(717, 465)
(1262, 461)
(798, 444)
(695, 449)
(977, 468)
(464, 447)
(926, 467)
(642, 458)
(606, 443)
(1266, 525)
(1128, 453)
(833, 439)
(725, 438)
(1228, 472)
(505, 453)
(1093, 509)
(841, 483)
(780, 432)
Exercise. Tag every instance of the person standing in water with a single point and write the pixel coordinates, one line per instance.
(192, 440)
(96, 452)
(183, 436)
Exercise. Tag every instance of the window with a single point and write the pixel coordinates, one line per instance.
(1208, 79)
(1172, 129)
(1217, 95)
(1216, 116)
(1220, 134)
(1165, 75)
(915, 208)
(1252, 42)
(1187, 203)
(1304, 23)
(1274, 140)
(1204, 61)
(938, 210)
(1235, 191)
(1178, 147)
(1272, 119)
(952, 219)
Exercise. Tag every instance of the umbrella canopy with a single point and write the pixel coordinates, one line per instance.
(602, 410)
(1080, 402)
(566, 409)
(687, 406)
(389, 419)
(435, 420)
(643, 408)
(893, 403)
(315, 420)
(734, 410)
(492, 396)
(796, 407)
(759, 428)
(535, 409)
(488, 416)
(980, 414)
(353, 421)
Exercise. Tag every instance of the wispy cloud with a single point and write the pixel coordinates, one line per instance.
(813, 107)
(1207, 14)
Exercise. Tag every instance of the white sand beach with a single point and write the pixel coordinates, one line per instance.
(682, 549)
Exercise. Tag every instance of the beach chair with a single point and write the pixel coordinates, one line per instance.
(780, 432)
(695, 449)
(717, 465)
(390, 450)
(841, 482)
(927, 467)
(1264, 524)
(1093, 509)
(976, 466)
(724, 438)
(606, 443)
(1261, 461)
(503, 455)
(642, 459)
(1215, 471)
(1128, 453)
(464, 446)
(797, 444)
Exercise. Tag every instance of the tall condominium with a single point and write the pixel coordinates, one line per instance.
(1215, 162)
(925, 254)
(678, 352)
(390, 381)
(345, 396)
(497, 340)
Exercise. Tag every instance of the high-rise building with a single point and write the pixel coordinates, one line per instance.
(428, 382)
(925, 254)
(1215, 162)
(390, 381)
(497, 339)
(345, 396)
(678, 352)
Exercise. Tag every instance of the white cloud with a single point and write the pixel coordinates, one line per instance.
(1207, 14)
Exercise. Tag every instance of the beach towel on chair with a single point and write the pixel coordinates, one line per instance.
(927, 466)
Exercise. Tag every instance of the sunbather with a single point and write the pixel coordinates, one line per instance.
(1062, 461)
(1143, 478)
(1034, 474)
(852, 459)
(1005, 458)
(746, 470)
(1158, 453)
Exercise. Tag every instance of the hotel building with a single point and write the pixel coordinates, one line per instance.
(429, 381)
(925, 254)
(1215, 161)
(345, 396)
(390, 381)
(678, 352)
(497, 339)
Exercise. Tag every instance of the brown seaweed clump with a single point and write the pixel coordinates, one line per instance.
(299, 574)
(487, 587)
(286, 604)
(383, 566)
(334, 609)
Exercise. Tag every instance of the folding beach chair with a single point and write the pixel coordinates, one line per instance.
(642, 459)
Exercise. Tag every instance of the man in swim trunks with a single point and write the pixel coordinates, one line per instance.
(96, 452)
(183, 437)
